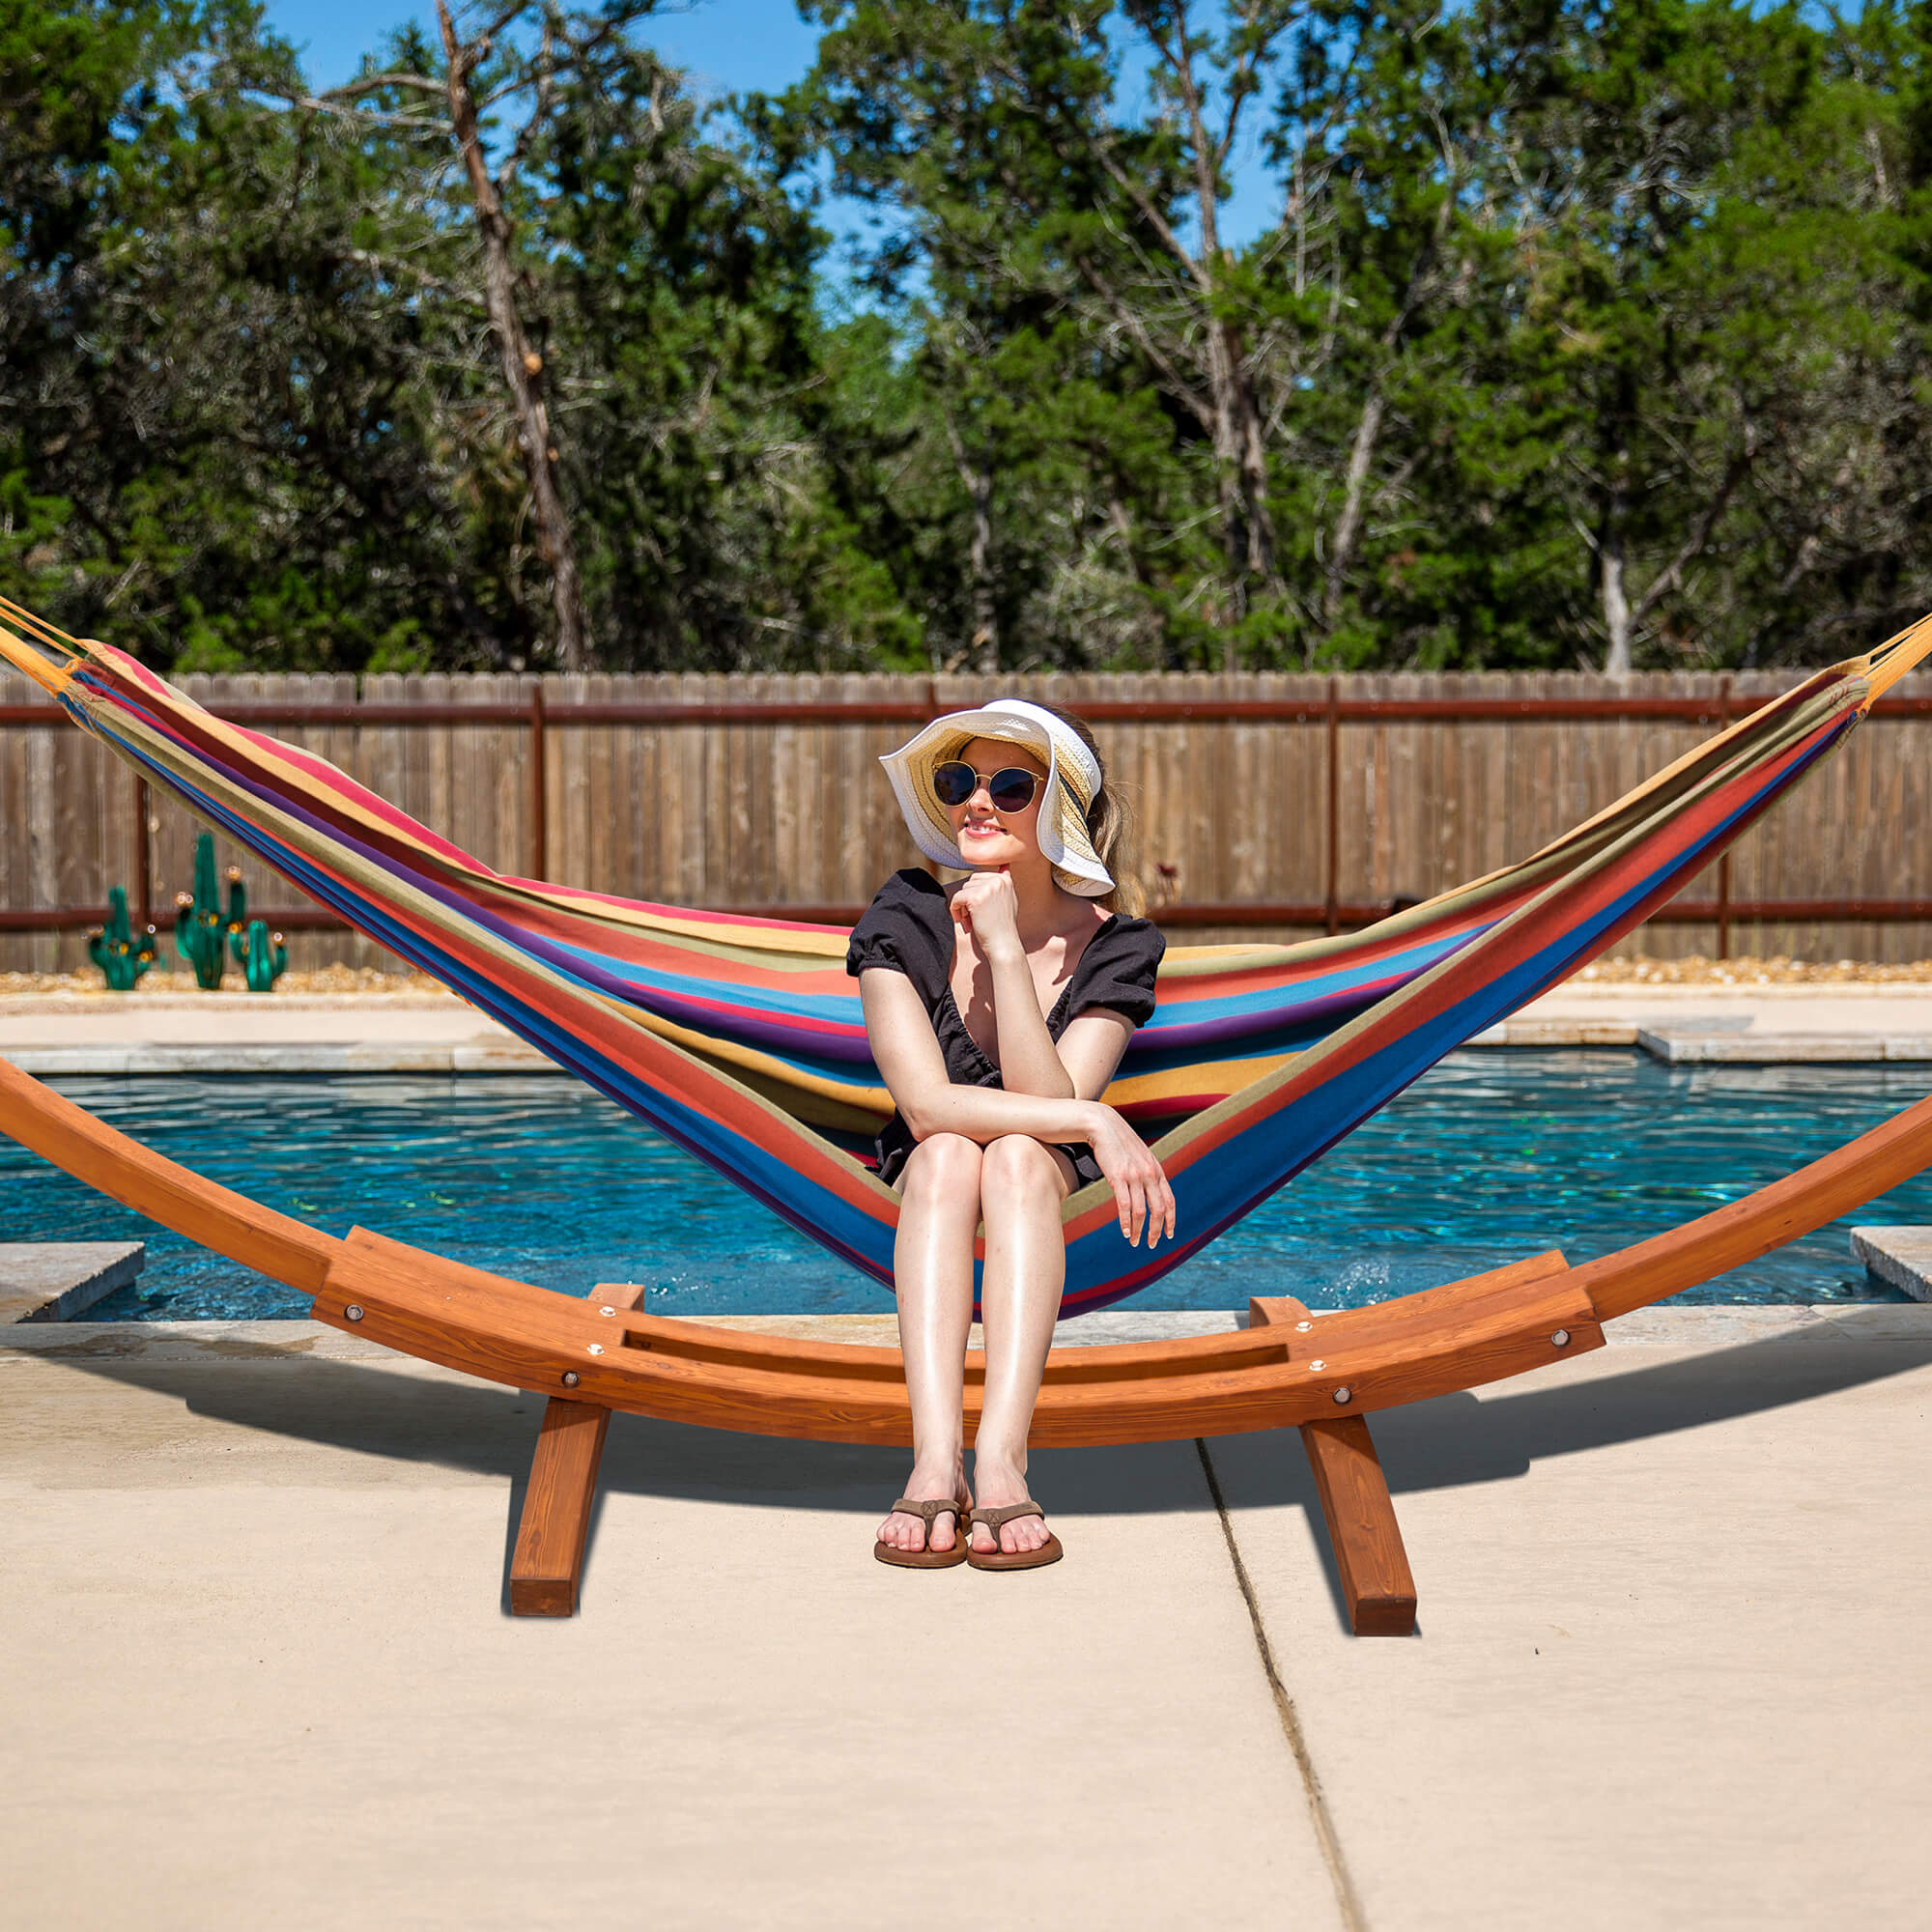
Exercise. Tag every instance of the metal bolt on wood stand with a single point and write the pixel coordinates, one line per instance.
(547, 1567)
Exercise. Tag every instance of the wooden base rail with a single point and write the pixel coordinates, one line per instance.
(546, 1568)
(592, 1357)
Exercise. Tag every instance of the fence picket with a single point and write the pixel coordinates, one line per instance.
(790, 812)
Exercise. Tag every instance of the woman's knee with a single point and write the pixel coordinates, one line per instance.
(1019, 1165)
(945, 1167)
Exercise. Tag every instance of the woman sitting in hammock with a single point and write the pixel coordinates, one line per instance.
(997, 1011)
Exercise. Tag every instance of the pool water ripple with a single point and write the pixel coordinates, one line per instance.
(1489, 1157)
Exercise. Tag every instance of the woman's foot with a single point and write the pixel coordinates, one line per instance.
(999, 1485)
(900, 1531)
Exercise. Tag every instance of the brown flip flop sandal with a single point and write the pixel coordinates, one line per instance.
(1048, 1551)
(929, 1558)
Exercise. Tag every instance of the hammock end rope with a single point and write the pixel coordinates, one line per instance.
(1895, 658)
(28, 659)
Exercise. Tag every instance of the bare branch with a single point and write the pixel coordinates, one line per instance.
(1129, 316)
(375, 83)
(1672, 577)
(364, 117)
(539, 114)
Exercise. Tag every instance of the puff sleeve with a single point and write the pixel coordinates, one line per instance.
(1117, 971)
(900, 930)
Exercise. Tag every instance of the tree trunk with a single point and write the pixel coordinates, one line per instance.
(1616, 604)
(979, 560)
(1240, 466)
(1240, 442)
(523, 367)
(1348, 525)
(984, 645)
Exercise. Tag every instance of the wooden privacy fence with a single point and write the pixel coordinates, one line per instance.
(1267, 805)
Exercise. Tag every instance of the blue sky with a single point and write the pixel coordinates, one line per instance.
(732, 47)
(727, 46)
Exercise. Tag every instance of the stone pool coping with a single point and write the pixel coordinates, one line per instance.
(59, 1281)
(1899, 1257)
(422, 1033)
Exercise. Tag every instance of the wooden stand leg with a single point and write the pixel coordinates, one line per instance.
(1362, 1528)
(548, 1559)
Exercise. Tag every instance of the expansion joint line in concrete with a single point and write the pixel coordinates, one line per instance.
(1347, 1902)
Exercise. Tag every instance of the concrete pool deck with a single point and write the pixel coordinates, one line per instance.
(165, 1029)
(258, 1667)
(1669, 1670)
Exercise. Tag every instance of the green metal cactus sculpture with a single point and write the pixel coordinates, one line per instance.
(262, 955)
(202, 935)
(121, 953)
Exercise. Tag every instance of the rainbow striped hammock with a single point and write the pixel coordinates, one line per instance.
(741, 1038)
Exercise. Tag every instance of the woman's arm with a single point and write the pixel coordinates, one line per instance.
(908, 1055)
(1030, 1062)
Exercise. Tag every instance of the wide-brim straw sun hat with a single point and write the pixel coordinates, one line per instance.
(1072, 782)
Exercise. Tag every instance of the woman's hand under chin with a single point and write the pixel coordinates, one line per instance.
(987, 906)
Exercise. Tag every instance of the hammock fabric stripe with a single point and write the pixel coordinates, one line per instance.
(741, 1039)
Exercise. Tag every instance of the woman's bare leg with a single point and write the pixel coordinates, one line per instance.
(1022, 1182)
(933, 1269)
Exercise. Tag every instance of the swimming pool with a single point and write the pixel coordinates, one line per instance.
(1490, 1156)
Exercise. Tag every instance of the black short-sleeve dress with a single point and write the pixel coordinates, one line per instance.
(909, 929)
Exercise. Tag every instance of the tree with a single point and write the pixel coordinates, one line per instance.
(524, 53)
(998, 127)
(220, 392)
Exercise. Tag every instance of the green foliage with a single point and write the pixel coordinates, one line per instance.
(1588, 332)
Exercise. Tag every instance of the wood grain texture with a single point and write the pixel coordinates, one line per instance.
(506, 1331)
(1282, 1314)
(1845, 1178)
(546, 1566)
(1362, 1530)
(744, 811)
(124, 1170)
(1460, 1336)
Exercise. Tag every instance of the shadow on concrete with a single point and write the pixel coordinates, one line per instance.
(1451, 1442)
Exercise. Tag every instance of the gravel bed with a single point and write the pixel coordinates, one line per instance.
(330, 980)
(1694, 971)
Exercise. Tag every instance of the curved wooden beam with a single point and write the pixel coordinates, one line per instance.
(210, 1215)
(1787, 1209)
(1445, 1338)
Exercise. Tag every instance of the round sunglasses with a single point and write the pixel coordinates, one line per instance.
(1010, 790)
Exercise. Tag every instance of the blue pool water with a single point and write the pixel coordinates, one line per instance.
(1490, 1156)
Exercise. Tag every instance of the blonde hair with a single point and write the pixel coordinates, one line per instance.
(1110, 824)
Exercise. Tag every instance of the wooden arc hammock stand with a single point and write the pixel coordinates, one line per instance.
(1326, 1376)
